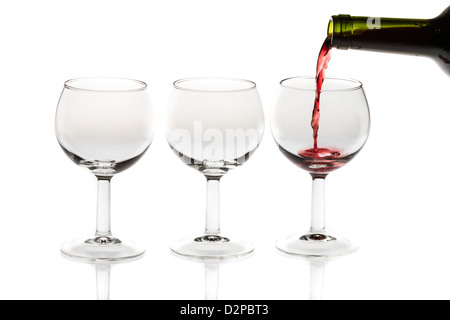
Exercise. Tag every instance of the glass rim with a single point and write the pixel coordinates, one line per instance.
(357, 84)
(251, 84)
(140, 85)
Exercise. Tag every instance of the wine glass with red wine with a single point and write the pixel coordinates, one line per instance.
(319, 140)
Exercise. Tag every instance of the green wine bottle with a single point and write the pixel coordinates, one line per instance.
(420, 37)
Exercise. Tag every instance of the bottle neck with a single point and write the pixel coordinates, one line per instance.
(407, 36)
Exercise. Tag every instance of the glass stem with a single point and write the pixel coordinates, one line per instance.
(103, 207)
(318, 205)
(212, 206)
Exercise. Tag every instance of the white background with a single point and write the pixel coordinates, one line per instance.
(392, 199)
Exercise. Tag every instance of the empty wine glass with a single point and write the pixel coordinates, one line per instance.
(344, 125)
(104, 125)
(214, 125)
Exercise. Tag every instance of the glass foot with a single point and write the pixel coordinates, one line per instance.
(316, 245)
(212, 246)
(101, 249)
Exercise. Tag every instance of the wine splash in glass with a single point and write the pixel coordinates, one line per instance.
(344, 129)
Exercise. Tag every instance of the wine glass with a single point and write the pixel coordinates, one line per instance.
(343, 128)
(214, 125)
(104, 125)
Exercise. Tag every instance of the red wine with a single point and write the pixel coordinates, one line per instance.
(318, 162)
(322, 65)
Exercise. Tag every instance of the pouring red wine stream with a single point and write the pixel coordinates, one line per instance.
(322, 65)
(316, 153)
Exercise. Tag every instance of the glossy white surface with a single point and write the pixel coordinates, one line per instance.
(392, 199)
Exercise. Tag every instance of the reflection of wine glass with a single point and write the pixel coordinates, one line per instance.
(214, 125)
(103, 277)
(212, 280)
(103, 273)
(212, 271)
(316, 278)
(105, 125)
(343, 130)
(316, 274)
